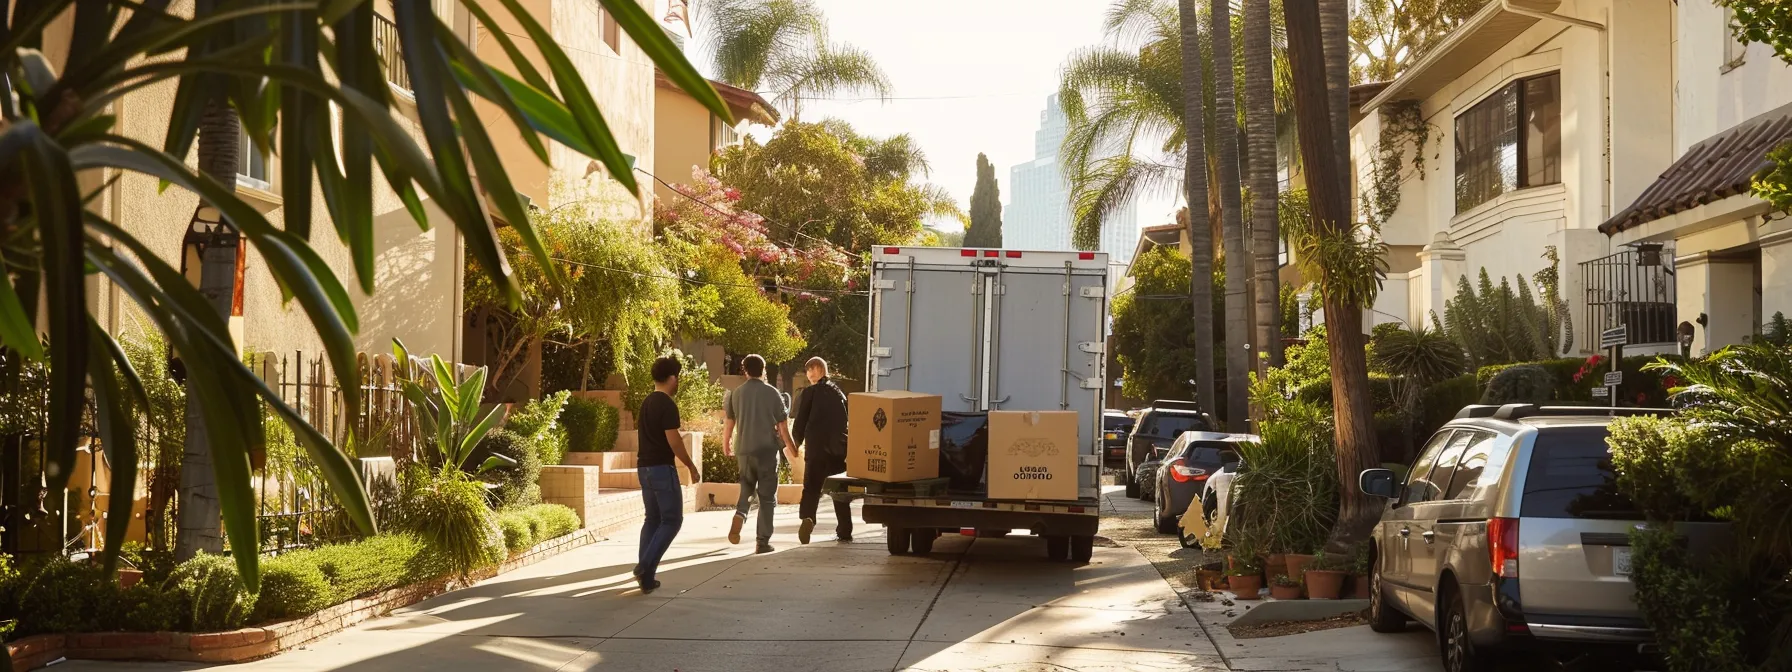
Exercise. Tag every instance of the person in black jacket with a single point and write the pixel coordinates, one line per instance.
(820, 426)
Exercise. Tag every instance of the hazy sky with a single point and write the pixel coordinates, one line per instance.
(969, 77)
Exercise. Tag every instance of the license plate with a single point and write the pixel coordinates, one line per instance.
(1621, 561)
(973, 505)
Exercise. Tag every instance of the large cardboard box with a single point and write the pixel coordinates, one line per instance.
(893, 436)
(1032, 455)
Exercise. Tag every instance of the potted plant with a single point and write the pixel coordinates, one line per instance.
(1325, 576)
(1297, 563)
(1209, 577)
(1284, 587)
(1359, 573)
(1245, 579)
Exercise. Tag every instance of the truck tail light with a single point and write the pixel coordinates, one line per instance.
(892, 250)
(1013, 254)
(967, 253)
(1085, 256)
(1502, 546)
(990, 253)
(1182, 473)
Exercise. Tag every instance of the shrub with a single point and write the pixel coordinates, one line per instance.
(372, 565)
(718, 468)
(1287, 490)
(591, 426)
(516, 483)
(211, 594)
(147, 607)
(1440, 402)
(447, 511)
(1695, 624)
(1520, 385)
(66, 596)
(1319, 391)
(556, 521)
(291, 586)
(538, 422)
(1419, 354)
(697, 394)
(519, 535)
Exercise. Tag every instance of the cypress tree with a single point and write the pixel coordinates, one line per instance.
(986, 208)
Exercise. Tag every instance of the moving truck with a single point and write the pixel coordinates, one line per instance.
(988, 331)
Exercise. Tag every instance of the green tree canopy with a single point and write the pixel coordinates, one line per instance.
(986, 208)
(1154, 329)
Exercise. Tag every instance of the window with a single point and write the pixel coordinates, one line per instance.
(1432, 487)
(612, 30)
(1571, 476)
(1420, 474)
(1281, 252)
(1510, 141)
(1471, 470)
(1171, 425)
(252, 171)
(1734, 49)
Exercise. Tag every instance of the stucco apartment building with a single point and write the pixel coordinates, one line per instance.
(1620, 133)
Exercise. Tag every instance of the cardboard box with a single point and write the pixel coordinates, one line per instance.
(1032, 455)
(893, 436)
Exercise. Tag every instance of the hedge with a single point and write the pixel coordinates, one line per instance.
(1648, 384)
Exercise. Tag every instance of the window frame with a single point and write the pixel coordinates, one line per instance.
(1735, 50)
(1520, 141)
(609, 30)
(247, 150)
(1424, 463)
(1482, 443)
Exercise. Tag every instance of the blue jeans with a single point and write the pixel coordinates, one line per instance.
(664, 499)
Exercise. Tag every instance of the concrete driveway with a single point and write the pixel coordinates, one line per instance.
(975, 604)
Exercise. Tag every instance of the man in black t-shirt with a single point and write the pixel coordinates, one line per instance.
(660, 444)
(820, 426)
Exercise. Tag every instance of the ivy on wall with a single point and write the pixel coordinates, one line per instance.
(1401, 125)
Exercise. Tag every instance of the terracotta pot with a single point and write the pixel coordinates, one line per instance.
(128, 577)
(1323, 584)
(1276, 564)
(1208, 580)
(1246, 587)
(1359, 586)
(1284, 592)
(1297, 563)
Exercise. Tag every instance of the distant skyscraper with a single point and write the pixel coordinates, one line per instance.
(1038, 214)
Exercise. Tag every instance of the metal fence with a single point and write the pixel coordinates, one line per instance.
(385, 43)
(1635, 289)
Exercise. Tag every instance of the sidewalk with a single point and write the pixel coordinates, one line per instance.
(989, 604)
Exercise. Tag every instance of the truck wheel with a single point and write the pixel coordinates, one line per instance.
(896, 539)
(1057, 548)
(1082, 548)
(920, 540)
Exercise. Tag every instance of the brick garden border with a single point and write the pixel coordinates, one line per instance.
(263, 641)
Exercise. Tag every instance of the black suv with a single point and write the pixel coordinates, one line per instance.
(1157, 428)
(1115, 426)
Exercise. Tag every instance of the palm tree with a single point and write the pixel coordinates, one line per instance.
(1200, 236)
(781, 47)
(56, 123)
(220, 157)
(1260, 122)
(1238, 260)
(1334, 25)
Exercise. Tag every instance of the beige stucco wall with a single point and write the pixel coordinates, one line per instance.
(417, 279)
(682, 138)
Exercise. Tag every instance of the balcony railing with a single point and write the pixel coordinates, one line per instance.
(1623, 291)
(385, 43)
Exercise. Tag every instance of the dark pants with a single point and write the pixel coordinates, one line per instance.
(816, 470)
(664, 499)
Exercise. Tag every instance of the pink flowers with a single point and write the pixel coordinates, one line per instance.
(731, 194)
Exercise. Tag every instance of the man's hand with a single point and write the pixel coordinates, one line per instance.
(696, 474)
(728, 448)
(790, 454)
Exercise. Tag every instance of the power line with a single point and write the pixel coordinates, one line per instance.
(694, 281)
(876, 99)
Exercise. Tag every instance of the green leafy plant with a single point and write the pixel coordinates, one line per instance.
(65, 596)
(1285, 581)
(718, 468)
(515, 483)
(212, 594)
(448, 410)
(448, 511)
(1520, 385)
(1500, 325)
(557, 520)
(519, 535)
(538, 422)
(1289, 480)
(291, 586)
(1420, 355)
(373, 564)
(147, 607)
(591, 425)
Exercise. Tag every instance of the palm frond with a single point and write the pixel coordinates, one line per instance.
(828, 70)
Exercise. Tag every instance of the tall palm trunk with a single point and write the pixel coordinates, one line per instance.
(1260, 124)
(1334, 30)
(1238, 261)
(220, 156)
(1354, 432)
(1200, 238)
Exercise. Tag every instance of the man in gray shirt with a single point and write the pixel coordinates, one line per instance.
(757, 410)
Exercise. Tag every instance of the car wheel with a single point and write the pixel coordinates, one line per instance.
(1382, 616)
(1459, 652)
(1166, 524)
(1132, 484)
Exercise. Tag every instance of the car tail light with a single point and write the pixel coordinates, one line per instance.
(1502, 546)
(1183, 473)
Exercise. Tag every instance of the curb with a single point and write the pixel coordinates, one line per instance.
(258, 642)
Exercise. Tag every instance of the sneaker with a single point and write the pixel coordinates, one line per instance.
(763, 548)
(734, 528)
(647, 586)
(843, 537)
(803, 531)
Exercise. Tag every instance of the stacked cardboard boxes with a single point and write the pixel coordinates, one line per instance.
(893, 436)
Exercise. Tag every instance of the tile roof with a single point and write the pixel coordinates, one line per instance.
(1719, 167)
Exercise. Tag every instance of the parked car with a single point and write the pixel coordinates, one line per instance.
(1509, 533)
(1115, 426)
(1158, 427)
(1191, 460)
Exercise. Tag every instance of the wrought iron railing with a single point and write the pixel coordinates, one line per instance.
(385, 43)
(1634, 289)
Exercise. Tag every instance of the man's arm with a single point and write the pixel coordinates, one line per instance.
(789, 445)
(804, 410)
(728, 437)
(683, 454)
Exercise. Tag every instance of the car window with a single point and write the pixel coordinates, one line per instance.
(1113, 422)
(1439, 479)
(1472, 466)
(1421, 468)
(1570, 476)
(1206, 454)
(1165, 425)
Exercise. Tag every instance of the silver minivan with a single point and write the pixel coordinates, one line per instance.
(1509, 533)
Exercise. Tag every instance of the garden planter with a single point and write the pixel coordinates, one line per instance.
(1277, 564)
(1208, 579)
(1246, 587)
(1359, 586)
(129, 577)
(1284, 592)
(1324, 584)
(1297, 563)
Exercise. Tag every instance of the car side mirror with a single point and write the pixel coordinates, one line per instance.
(1379, 482)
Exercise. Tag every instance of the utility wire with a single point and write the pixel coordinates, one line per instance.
(694, 281)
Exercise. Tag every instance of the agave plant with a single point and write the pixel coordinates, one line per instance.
(264, 61)
(449, 410)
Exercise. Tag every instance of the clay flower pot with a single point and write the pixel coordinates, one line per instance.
(128, 577)
(1282, 592)
(1246, 587)
(1208, 579)
(1324, 584)
(1359, 586)
(1276, 564)
(1297, 563)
